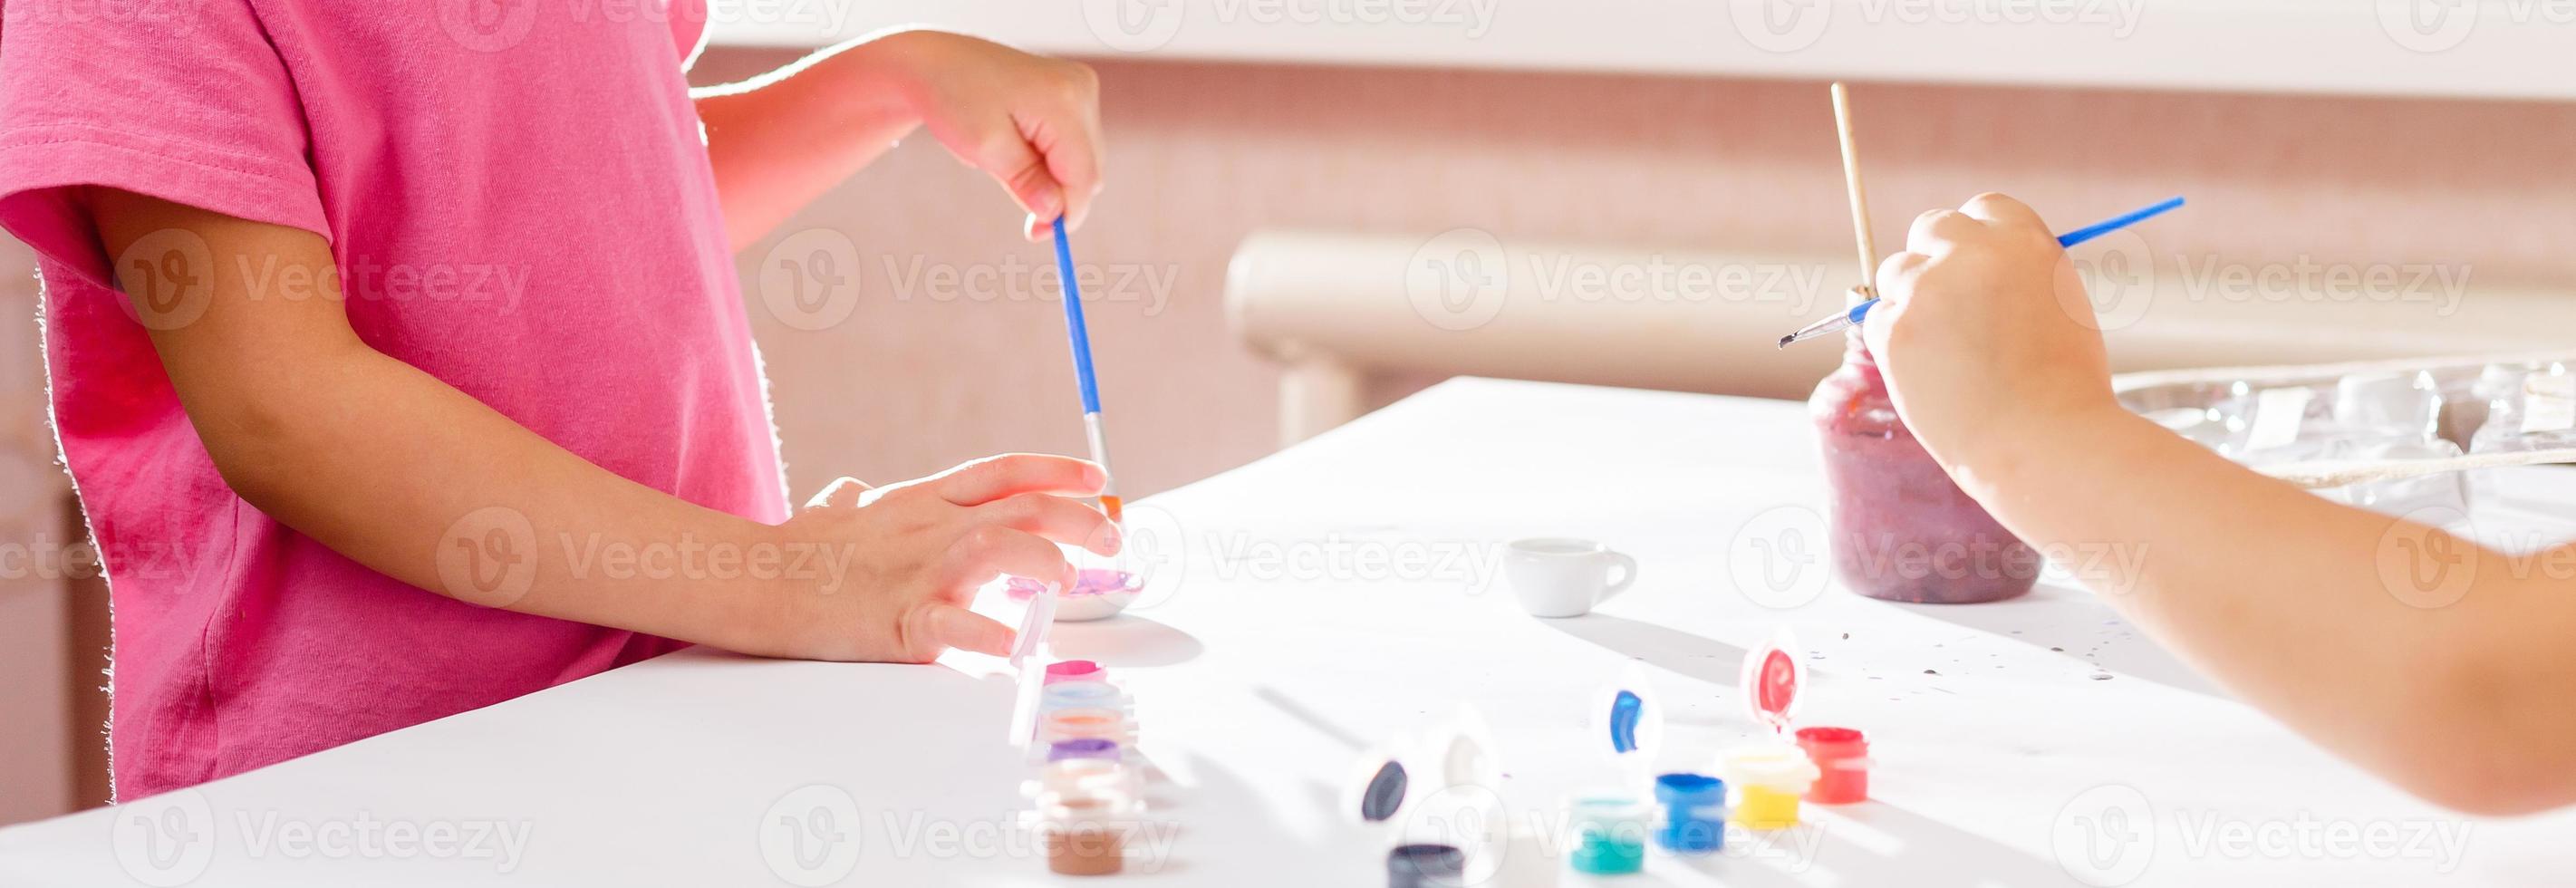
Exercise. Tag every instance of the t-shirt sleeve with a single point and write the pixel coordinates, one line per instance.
(183, 100)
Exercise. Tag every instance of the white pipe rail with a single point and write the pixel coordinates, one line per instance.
(1338, 310)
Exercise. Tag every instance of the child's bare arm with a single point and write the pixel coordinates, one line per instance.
(2423, 657)
(407, 475)
(783, 138)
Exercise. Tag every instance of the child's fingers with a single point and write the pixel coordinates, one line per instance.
(993, 550)
(1075, 163)
(1896, 276)
(2003, 210)
(995, 477)
(1936, 230)
(1056, 518)
(1010, 158)
(936, 626)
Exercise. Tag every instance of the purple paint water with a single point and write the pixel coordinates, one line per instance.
(1088, 581)
(1900, 529)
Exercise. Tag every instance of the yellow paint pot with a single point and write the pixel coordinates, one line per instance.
(1768, 781)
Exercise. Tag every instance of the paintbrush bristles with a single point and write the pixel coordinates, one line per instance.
(1859, 197)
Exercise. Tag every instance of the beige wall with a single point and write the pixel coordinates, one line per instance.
(1202, 154)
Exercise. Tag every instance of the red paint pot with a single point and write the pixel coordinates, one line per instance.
(1842, 757)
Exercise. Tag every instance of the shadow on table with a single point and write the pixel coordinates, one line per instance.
(2073, 622)
(1873, 843)
(1235, 834)
(1289, 706)
(1663, 647)
(1124, 640)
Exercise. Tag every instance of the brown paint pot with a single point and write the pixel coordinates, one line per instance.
(1084, 834)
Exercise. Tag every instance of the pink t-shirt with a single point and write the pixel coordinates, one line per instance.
(518, 196)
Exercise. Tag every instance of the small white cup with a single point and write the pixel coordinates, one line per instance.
(1563, 577)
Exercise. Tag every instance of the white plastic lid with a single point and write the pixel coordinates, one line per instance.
(1034, 623)
(1468, 757)
(1773, 675)
(1027, 656)
(1628, 724)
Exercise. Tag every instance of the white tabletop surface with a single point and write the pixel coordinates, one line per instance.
(1322, 601)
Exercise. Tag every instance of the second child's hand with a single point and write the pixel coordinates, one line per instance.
(1992, 354)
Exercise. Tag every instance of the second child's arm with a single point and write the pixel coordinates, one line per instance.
(2442, 665)
(405, 474)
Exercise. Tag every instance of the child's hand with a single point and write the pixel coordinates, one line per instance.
(1032, 122)
(1985, 335)
(910, 556)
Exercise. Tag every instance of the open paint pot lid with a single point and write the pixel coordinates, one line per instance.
(1468, 811)
(1378, 788)
(1034, 622)
(1467, 757)
(1772, 676)
(1026, 652)
(1628, 723)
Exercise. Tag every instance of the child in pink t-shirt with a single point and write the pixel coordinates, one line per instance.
(429, 384)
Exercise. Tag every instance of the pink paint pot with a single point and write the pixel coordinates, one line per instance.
(1842, 762)
(1075, 670)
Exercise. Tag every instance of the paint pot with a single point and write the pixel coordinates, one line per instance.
(1081, 774)
(1075, 670)
(1694, 813)
(1773, 675)
(1768, 781)
(1085, 833)
(1098, 748)
(1085, 724)
(1842, 764)
(1609, 835)
(1425, 866)
(1081, 695)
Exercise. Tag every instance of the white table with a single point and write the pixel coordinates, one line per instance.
(1330, 597)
